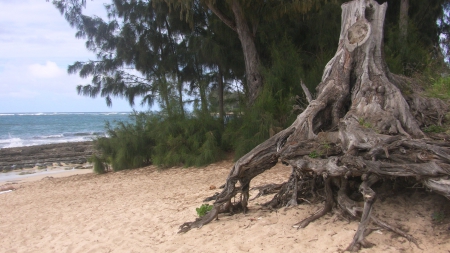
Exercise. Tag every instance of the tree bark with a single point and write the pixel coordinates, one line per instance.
(203, 101)
(164, 93)
(180, 95)
(403, 20)
(360, 128)
(220, 94)
(251, 56)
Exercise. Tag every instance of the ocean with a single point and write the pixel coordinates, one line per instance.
(29, 129)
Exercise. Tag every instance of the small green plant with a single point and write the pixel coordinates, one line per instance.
(363, 123)
(203, 209)
(438, 217)
(440, 88)
(324, 147)
(314, 154)
(434, 129)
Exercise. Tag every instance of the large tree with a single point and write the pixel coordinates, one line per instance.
(244, 18)
(144, 50)
(363, 126)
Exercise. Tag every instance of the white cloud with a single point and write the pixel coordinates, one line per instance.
(36, 46)
(49, 70)
(21, 76)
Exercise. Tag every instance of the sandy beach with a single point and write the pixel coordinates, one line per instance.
(140, 211)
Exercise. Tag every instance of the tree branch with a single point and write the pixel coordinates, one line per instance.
(306, 91)
(222, 16)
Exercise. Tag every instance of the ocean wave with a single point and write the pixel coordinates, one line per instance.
(70, 136)
(49, 136)
(18, 130)
(110, 113)
(11, 143)
(30, 114)
(64, 113)
(88, 134)
(82, 134)
(18, 142)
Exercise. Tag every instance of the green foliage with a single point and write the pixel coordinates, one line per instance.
(100, 167)
(440, 88)
(316, 36)
(171, 58)
(203, 209)
(272, 111)
(246, 131)
(156, 138)
(314, 154)
(419, 52)
(324, 147)
(128, 146)
(193, 140)
(434, 129)
(407, 58)
(364, 123)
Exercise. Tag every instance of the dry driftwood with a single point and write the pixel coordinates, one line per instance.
(358, 130)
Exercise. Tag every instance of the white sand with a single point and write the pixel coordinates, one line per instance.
(141, 210)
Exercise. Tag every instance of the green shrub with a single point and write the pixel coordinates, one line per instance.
(246, 132)
(440, 88)
(128, 145)
(434, 129)
(203, 209)
(155, 138)
(314, 154)
(192, 140)
(364, 123)
(100, 166)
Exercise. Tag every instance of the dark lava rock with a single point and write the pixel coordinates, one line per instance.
(46, 154)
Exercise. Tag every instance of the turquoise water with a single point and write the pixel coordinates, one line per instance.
(28, 129)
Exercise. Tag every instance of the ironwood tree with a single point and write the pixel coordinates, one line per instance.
(244, 17)
(363, 126)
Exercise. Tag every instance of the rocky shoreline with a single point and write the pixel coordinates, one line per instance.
(43, 156)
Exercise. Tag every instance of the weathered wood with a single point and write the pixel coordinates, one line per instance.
(306, 91)
(324, 210)
(369, 199)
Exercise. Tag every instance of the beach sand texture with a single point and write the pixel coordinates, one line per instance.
(140, 211)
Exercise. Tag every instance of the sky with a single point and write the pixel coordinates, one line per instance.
(36, 46)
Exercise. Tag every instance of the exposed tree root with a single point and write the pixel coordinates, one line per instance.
(267, 189)
(324, 210)
(359, 129)
(369, 198)
(395, 230)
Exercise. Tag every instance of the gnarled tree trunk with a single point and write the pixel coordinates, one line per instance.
(359, 129)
